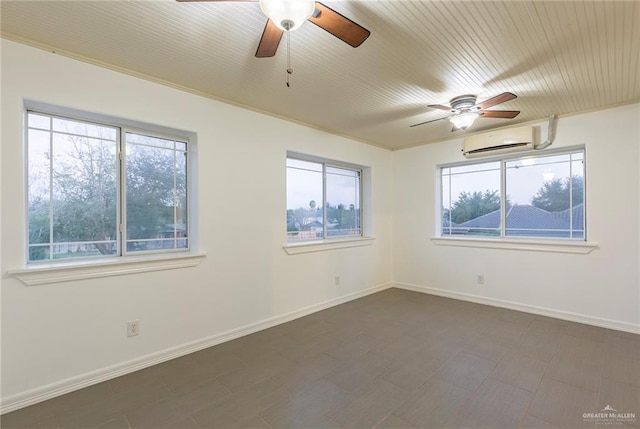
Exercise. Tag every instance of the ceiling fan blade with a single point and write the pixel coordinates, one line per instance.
(505, 96)
(441, 107)
(427, 122)
(339, 25)
(508, 114)
(269, 41)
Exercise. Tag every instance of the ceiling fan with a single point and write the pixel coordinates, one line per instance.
(288, 15)
(465, 110)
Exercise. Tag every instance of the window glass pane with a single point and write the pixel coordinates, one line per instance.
(577, 229)
(471, 200)
(152, 245)
(304, 165)
(84, 196)
(156, 194)
(343, 202)
(72, 189)
(39, 121)
(69, 126)
(446, 202)
(83, 249)
(471, 168)
(545, 196)
(304, 200)
(39, 252)
(39, 192)
(342, 171)
(151, 141)
(181, 198)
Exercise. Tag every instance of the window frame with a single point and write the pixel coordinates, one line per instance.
(331, 242)
(123, 190)
(139, 261)
(561, 244)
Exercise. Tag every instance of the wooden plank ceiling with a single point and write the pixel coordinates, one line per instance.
(559, 57)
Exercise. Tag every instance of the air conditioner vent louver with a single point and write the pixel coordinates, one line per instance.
(501, 141)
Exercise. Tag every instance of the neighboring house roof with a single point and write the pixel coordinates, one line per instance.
(311, 225)
(578, 216)
(311, 219)
(529, 217)
(489, 220)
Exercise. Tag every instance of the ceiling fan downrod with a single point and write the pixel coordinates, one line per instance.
(289, 69)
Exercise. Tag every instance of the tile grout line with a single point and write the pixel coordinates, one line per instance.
(535, 392)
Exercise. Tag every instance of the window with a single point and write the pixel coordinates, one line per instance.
(97, 190)
(533, 196)
(323, 200)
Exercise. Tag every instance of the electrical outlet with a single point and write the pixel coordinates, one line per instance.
(480, 279)
(337, 280)
(133, 328)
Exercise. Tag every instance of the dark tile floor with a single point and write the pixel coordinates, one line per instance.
(396, 359)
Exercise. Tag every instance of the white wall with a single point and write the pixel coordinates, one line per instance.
(601, 287)
(54, 335)
(58, 335)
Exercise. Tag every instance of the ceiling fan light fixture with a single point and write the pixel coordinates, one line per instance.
(464, 120)
(288, 15)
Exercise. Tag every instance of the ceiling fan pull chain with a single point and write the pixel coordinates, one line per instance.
(289, 69)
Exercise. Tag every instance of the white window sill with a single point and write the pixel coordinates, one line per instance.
(323, 245)
(39, 274)
(557, 246)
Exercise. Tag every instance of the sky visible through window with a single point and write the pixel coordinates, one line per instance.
(532, 173)
(304, 181)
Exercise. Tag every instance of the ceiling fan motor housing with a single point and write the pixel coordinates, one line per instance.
(463, 102)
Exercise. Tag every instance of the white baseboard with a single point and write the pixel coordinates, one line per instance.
(542, 311)
(78, 382)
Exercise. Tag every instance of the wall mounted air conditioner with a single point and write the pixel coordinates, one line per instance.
(499, 141)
